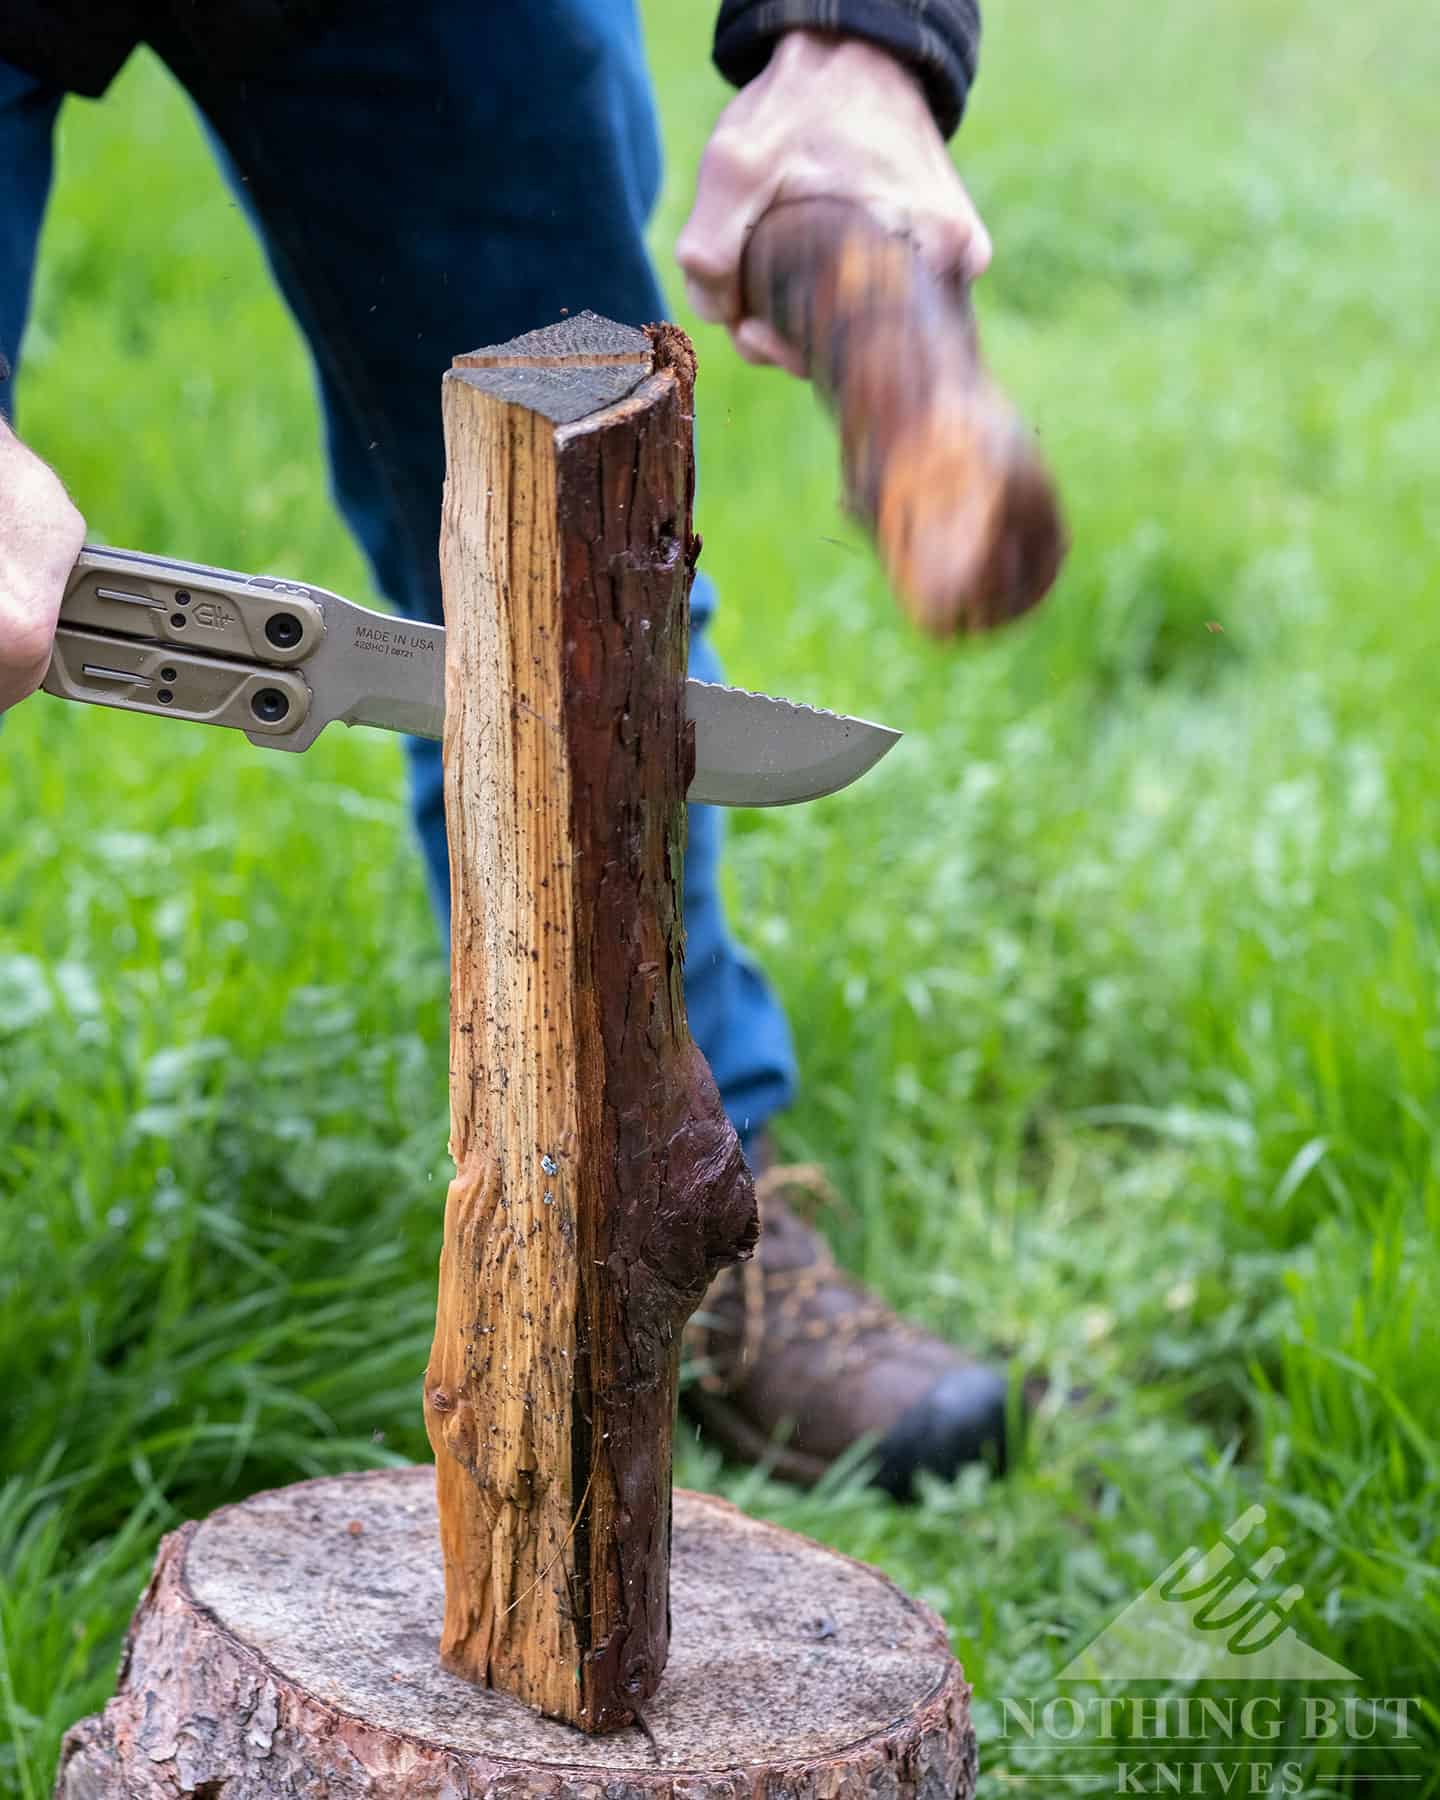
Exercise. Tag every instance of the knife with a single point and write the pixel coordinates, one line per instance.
(280, 660)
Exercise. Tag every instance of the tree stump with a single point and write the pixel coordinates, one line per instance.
(287, 1646)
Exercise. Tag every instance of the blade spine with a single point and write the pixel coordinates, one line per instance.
(783, 700)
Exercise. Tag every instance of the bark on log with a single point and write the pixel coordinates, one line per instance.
(599, 1185)
(286, 1646)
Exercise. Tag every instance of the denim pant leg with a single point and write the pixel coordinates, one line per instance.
(451, 175)
(27, 124)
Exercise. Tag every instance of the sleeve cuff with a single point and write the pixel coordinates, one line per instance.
(938, 40)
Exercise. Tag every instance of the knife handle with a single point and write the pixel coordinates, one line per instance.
(937, 463)
(186, 641)
(215, 612)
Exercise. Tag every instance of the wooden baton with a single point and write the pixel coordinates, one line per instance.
(937, 463)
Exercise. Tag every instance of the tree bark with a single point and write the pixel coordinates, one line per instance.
(599, 1185)
(286, 1646)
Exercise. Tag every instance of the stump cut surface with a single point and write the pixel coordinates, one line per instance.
(289, 1644)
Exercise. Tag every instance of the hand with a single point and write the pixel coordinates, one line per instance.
(830, 116)
(40, 536)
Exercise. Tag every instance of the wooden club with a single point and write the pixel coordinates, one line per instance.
(937, 463)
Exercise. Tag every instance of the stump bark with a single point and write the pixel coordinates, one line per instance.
(287, 1646)
(599, 1185)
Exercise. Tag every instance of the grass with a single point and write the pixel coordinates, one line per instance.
(1116, 988)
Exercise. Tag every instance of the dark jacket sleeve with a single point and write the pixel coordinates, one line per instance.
(938, 39)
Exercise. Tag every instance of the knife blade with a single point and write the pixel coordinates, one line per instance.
(281, 660)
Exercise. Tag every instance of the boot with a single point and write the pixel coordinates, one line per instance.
(794, 1362)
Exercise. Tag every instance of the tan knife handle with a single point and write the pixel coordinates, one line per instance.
(937, 463)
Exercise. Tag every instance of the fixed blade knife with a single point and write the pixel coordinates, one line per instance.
(281, 660)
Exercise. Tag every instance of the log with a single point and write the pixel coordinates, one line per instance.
(937, 463)
(598, 1184)
(287, 1646)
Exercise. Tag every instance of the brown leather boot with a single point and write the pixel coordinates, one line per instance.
(793, 1362)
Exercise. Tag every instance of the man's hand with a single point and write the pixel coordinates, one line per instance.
(829, 116)
(40, 536)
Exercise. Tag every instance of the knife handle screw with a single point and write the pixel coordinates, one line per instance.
(270, 705)
(167, 674)
(284, 630)
(178, 621)
(182, 596)
(164, 696)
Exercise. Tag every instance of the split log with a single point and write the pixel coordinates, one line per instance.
(599, 1185)
(286, 1646)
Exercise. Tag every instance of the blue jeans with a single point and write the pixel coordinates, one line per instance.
(425, 179)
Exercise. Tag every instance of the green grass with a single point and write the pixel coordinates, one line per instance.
(1116, 988)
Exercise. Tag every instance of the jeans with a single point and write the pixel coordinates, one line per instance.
(425, 179)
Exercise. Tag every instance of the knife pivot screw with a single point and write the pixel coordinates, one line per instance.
(164, 696)
(284, 630)
(270, 705)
